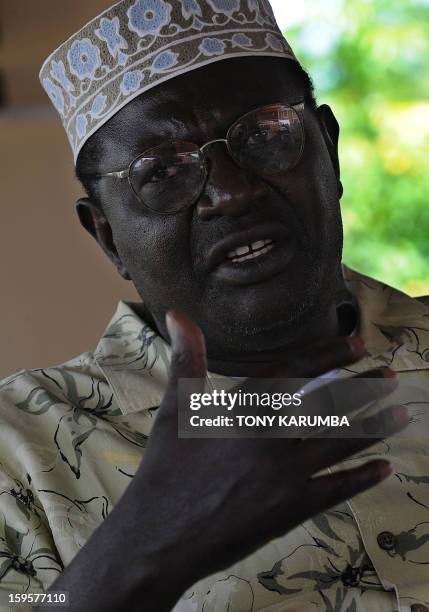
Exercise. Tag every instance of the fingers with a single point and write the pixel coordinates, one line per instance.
(346, 395)
(318, 358)
(189, 358)
(323, 453)
(336, 488)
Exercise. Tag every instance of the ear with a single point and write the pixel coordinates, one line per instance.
(331, 133)
(93, 219)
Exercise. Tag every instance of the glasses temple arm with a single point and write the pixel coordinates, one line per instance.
(118, 175)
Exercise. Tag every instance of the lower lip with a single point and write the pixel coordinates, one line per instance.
(259, 269)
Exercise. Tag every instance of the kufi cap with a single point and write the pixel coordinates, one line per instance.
(138, 44)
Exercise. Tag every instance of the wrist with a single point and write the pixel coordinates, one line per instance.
(149, 560)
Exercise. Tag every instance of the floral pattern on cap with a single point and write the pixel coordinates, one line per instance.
(136, 44)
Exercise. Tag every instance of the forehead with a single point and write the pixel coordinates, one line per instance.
(199, 105)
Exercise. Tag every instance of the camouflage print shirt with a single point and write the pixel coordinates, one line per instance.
(72, 437)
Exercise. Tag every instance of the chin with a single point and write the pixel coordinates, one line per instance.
(263, 329)
(269, 316)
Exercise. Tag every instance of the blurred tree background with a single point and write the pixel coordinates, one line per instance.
(369, 59)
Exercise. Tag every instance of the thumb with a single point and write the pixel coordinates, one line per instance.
(189, 357)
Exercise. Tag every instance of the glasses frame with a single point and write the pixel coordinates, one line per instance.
(126, 173)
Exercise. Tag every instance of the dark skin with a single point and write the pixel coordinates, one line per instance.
(206, 504)
(167, 256)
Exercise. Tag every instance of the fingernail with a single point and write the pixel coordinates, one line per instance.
(400, 415)
(385, 469)
(357, 345)
(388, 373)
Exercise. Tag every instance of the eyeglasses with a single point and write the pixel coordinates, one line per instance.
(171, 177)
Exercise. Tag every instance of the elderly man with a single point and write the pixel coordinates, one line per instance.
(213, 184)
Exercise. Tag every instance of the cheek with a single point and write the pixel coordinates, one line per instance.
(312, 189)
(155, 249)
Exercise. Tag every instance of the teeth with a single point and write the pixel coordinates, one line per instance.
(242, 250)
(249, 249)
(252, 251)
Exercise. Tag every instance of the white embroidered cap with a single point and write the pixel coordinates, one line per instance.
(137, 44)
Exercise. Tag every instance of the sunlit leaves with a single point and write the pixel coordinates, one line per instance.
(372, 66)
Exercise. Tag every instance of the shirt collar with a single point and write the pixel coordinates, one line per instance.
(135, 359)
(393, 325)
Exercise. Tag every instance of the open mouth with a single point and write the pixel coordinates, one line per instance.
(253, 255)
(250, 251)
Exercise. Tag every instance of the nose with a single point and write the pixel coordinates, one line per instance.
(230, 190)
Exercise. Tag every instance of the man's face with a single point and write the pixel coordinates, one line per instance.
(269, 300)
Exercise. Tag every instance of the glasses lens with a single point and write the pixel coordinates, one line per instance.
(168, 178)
(269, 140)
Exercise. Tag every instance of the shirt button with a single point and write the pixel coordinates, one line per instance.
(418, 608)
(386, 541)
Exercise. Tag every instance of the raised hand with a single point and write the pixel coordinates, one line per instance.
(214, 501)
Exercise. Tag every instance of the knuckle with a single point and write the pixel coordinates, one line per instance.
(188, 363)
(181, 360)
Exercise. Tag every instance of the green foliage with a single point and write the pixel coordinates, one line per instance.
(369, 60)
